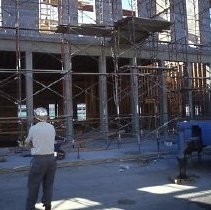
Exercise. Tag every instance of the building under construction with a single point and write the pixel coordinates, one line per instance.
(104, 67)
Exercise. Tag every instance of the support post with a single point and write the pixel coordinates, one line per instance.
(103, 95)
(68, 103)
(188, 89)
(29, 88)
(135, 101)
(163, 98)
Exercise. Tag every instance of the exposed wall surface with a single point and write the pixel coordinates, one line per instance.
(205, 22)
(178, 18)
(69, 12)
(23, 15)
(147, 8)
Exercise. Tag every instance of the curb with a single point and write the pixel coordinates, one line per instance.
(63, 164)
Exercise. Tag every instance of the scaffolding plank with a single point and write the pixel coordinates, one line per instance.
(132, 30)
(141, 28)
(86, 30)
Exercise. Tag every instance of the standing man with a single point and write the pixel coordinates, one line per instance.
(41, 138)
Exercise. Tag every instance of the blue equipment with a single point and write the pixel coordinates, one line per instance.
(193, 136)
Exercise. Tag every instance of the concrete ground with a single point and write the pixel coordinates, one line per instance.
(118, 179)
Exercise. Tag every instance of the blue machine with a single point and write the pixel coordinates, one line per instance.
(193, 136)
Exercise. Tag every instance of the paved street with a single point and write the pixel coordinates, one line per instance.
(128, 185)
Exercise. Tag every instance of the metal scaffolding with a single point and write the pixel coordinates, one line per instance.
(163, 78)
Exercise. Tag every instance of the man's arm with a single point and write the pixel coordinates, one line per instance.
(28, 141)
(25, 144)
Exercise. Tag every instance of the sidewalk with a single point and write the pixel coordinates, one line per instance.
(118, 183)
(15, 161)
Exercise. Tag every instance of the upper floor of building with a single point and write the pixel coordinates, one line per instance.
(191, 19)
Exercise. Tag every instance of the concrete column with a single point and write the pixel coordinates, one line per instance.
(204, 22)
(68, 95)
(103, 94)
(163, 96)
(116, 10)
(135, 101)
(104, 12)
(68, 12)
(187, 98)
(29, 88)
(28, 16)
(179, 18)
(8, 14)
(147, 8)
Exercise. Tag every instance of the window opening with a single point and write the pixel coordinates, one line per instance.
(129, 8)
(81, 112)
(163, 11)
(187, 110)
(197, 109)
(210, 16)
(193, 22)
(48, 15)
(52, 111)
(86, 12)
(22, 111)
